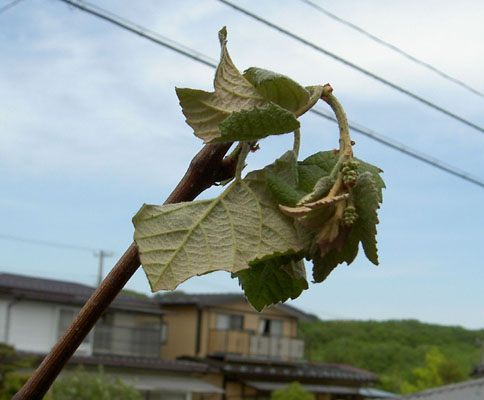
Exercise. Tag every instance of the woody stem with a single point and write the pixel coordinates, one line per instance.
(207, 167)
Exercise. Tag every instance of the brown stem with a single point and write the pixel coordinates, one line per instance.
(206, 168)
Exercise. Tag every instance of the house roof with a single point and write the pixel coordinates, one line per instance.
(265, 386)
(148, 363)
(31, 288)
(289, 370)
(468, 390)
(208, 300)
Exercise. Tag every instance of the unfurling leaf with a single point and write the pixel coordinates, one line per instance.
(278, 88)
(321, 164)
(257, 123)
(241, 227)
(366, 199)
(323, 221)
(204, 111)
(267, 282)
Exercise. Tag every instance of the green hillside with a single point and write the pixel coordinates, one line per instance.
(393, 349)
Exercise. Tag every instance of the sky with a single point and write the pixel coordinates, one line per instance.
(91, 128)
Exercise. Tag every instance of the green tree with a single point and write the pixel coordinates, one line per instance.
(293, 391)
(11, 380)
(81, 385)
(437, 371)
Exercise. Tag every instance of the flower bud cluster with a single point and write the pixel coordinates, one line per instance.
(350, 216)
(350, 173)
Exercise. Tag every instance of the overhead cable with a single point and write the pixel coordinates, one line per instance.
(49, 243)
(9, 5)
(403, 148)
(143, 32)
(354, 66)
(194, 55)
(393, 47)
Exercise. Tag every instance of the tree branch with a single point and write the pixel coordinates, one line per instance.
(206, 168)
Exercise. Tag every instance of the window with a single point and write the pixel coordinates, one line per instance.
(66, 316)
(164, 332)
(230, 322)
(270, 327)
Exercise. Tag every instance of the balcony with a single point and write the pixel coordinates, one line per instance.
(247, 343)
(118, 340)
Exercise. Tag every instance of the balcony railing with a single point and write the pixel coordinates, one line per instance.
(247, 343)
(118, 340)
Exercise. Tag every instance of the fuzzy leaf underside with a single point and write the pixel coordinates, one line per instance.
(278, 88)
(268, 282)
(243, 226)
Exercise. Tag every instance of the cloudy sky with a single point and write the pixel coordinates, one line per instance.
(90, 129)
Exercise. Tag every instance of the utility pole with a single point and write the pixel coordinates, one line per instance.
(101, 254)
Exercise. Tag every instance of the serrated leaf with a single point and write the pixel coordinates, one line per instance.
(257, 123)
(323, 266)
(268, 282)
(241, 227)
(278, 88)
(367, 203)
(204, 111)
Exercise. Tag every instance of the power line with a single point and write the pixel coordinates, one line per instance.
(9, 5)
(354, 66)
(404, 149)
(393, 47)
(354, 126)
(143, 32)
(49, 243)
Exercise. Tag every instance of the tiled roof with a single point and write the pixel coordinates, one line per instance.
(468, 390)
(143, 363)
(68, 293)
(286, 370)
(207, 300)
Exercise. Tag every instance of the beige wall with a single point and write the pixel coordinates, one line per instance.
(182, 326)
(181, 332)
(252, 317)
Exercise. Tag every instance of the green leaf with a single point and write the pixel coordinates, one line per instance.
(320, 190)
(323, 266)
(204, 111)
(267, 282)
(278, 88)
(257, 123)
(367, 203)
(241, 227)
(375, 175)
(284, 193)
(366, 200)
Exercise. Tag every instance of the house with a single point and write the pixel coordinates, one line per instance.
(256, 352)
(178, 346)
(468, 390)
(126, 341)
